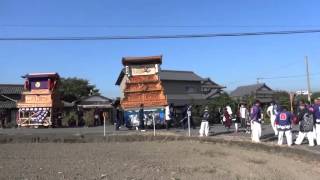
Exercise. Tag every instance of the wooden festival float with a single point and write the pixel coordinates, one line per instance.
(141, 85)
(40, 103)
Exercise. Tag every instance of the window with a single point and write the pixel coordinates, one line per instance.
(190, 89)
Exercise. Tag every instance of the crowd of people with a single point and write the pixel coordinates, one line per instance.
(307, 117)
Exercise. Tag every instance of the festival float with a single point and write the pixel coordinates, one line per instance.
(141, 85)
(40, 103)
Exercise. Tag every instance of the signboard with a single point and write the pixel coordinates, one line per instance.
(303, 92)
(147, 69)
(131, 117)
(37, 99)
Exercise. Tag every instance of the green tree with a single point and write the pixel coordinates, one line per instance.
(72, 89)
(315, 95)
(282, 98)
(222, 101)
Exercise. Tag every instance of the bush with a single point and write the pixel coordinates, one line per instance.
(69, 119)
(88, 116)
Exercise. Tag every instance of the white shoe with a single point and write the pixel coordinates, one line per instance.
(137, 129)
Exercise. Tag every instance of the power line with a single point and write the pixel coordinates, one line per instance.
(288, 77)
(183, 36)
(277, 77)
(157, 26)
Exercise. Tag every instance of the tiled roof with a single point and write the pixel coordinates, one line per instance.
(247, 90)
(179, 75)
(42, 75)
(142, 60)
(7, 105)
(95, 99)
(11, 89)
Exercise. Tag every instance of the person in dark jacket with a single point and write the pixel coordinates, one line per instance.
(204, 128)
(187, 113)
(141, 117)
(283, 123)
(184, 121)
(237, 121)
(227, 119)
(118, 118)
(306, 123)
(316, 108)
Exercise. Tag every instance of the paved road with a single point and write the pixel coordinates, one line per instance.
(216, 131)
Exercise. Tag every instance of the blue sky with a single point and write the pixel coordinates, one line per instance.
(230, 61)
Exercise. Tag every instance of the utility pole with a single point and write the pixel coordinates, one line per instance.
(258, 80)
(308, 79)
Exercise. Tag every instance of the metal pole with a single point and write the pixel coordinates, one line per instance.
(189, 125)
(104, 126)
(291, 94)
(154, 125)
(308, 80)
(104, 123)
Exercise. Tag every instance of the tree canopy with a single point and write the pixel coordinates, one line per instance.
(222, 101)
(72, 89)
(315, 95)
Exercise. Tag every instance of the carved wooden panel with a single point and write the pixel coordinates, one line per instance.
(143, 87)
(38, 99)
(147, 69)
(143, 79)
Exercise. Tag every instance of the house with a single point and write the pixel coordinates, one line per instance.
(186, 87)
(9, 95)
(90, 105)
(261, 92)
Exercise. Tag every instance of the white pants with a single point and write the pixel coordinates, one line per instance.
(274, 127)
(302, 135)
(256, 131)
(204, 129)
(236, 126)
(318, 134)
(288, 136)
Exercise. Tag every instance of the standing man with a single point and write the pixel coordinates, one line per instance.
(184, 121)
(2, 120)
(169, 115)
(306, 123)
(204, 128)
(256, 122)
(272, 113)
(118, 118)
(317, 119)
(141, 117)
(96, 117)
(283, 122)
(248, 121)
(243, 111)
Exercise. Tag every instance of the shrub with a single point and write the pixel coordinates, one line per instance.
(88, 116)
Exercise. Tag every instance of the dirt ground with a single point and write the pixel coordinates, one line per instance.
(170, 160)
